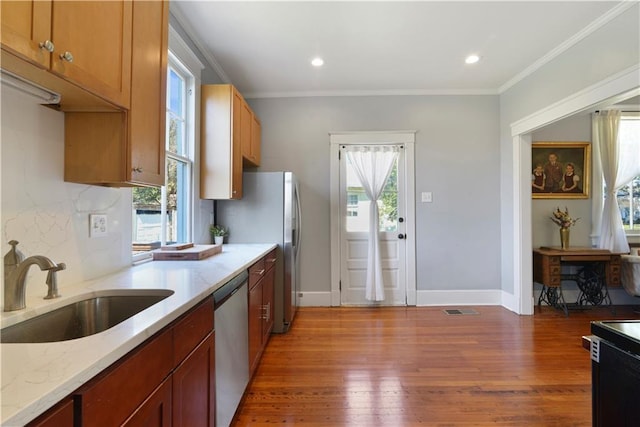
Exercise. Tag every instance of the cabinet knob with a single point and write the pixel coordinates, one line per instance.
(67, 56)
(47, 45)
(137, 169)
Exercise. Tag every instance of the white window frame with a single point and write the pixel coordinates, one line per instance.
(189, 143)
(185, 63)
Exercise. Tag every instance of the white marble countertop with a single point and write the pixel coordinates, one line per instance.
(37, 376)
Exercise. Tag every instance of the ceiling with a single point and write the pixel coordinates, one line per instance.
(387, 47)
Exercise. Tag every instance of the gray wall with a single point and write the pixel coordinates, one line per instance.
(456, 158)
(544, 231)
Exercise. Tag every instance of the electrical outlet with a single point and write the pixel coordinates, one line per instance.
(427, 197)
(97, 225)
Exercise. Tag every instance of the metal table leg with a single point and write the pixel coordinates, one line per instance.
(553, 296)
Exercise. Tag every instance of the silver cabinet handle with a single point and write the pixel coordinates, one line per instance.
(47, 45)
(267, 312)
(67, 56)
(259, 273)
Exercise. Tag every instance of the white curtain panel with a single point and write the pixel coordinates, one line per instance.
(373, 164)
(620, 163)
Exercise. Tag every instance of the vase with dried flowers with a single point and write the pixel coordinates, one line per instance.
(564, 220)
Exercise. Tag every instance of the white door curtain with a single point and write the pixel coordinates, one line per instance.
(373, 164)
(620, 163)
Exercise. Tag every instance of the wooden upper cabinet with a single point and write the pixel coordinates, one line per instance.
(246, 120)
(25, 26)
(93, 46)
(127, 148)
(220, 142)
(87, 43)
(148, 111)
(250, 137)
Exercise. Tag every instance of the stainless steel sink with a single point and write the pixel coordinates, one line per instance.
(82, 318)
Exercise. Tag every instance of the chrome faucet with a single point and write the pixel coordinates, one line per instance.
(15, 274)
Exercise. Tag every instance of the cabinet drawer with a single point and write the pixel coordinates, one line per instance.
(256, 272)
(114, 395)
(270, 260)
(189, 331)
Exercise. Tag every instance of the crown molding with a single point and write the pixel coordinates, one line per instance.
(339, 93)
(563, 47)
(186, 26)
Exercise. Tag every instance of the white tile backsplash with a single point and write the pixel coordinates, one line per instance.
(47, 215)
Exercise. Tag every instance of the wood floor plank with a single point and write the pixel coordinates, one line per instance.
(417, 366)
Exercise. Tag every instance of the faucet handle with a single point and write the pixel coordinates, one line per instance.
(52, 281)
(14, 256)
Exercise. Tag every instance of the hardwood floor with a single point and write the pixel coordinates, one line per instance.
(418, 366)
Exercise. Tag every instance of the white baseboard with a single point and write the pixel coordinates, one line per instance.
(469, 297)
(460, 297)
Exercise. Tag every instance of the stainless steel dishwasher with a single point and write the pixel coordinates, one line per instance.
(232, 346)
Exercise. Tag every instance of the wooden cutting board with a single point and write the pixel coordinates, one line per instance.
(193, 253)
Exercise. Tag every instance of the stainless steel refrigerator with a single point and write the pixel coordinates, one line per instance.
(269, 212)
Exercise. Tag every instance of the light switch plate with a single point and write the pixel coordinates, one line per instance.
(97, 225)
(427, 197)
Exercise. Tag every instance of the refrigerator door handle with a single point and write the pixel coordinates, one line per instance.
(298, 235)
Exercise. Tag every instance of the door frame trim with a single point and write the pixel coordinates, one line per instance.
(407, 138)
(602, 94)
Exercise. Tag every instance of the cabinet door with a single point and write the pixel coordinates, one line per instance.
(147, 116)
(256, 140)
(26, 24)
(97, 35)
(256, 313)
(246, 119)
(194, 394)
(155, 411)
(114, 395)
(220, 143)
(251, 130)
(267, 303)
(236, 169)
(60, 415)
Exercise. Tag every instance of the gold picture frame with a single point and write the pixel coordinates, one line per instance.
(560, 170)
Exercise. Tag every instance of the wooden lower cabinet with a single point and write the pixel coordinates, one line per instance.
(255, 326)
(261, 296)
(155, 411)
(167, 381)
(194, 387)
(60, 415)
(267, 303)
(115, 394)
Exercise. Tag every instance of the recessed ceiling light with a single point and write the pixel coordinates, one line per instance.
(317, 62)
(472, 59)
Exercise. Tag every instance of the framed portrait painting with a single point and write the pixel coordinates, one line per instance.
(560, 170)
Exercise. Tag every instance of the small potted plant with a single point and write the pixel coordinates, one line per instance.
(218, 232)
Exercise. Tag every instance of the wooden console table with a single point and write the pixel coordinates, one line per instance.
(599, 269)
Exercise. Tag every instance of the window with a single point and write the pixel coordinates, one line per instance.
(162, 215)
(629, 195)
(358, 202)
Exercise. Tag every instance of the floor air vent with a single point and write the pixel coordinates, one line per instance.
(459, 311)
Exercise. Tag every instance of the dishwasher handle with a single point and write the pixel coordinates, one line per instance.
(227, 290)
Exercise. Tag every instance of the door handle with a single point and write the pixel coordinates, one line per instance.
(401, 236)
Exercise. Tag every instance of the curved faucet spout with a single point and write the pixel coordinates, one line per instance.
(14, 286)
